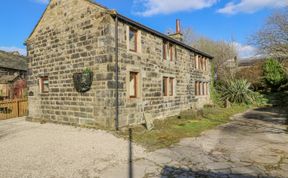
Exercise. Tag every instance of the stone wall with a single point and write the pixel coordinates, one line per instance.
(72, 35)
(76, 34)
(152, 67)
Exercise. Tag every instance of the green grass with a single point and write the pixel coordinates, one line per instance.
(188, 124)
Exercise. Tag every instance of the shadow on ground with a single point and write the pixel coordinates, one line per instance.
(276, 114)
(272, 116)
(173, 172)
(268, 114)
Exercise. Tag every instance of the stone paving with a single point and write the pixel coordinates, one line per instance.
(254, 144)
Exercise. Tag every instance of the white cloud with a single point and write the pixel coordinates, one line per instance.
(251, 6)
(154, 7)
(42, 1)
(13, 49)
(245, 51)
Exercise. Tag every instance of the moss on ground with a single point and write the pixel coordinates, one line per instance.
(188, 124)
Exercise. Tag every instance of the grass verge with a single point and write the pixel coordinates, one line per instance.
(187, 124)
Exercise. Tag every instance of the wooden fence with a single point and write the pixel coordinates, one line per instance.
(13, 108)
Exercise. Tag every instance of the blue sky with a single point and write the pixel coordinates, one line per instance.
(216, 19)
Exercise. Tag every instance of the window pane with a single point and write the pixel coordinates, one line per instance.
(196, 88)
(165, 89)
(164, 50)
(171, 52)
(132, 40)
(175, 53)
(133, 84)
(196, 62)
(203, 88)
(45, 85)
(199, 88)
(171, 89)
(167, 51)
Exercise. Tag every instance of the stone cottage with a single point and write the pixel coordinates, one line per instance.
(13, 72)
(139, 74)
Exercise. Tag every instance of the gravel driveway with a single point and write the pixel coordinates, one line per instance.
(49, 150)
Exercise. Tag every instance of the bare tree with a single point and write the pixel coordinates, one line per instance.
(224, 52)
(272, 38)
(190, 36)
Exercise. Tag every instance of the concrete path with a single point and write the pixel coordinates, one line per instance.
(254, 144)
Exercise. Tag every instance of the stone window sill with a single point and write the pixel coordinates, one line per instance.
(204, 96)
(137, 53)
(168, 62)
(134, 99)
(199, 70)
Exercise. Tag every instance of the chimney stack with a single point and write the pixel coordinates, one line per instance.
(178, 34)
(178, 26)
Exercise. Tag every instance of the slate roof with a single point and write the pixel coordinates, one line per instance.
(12, 61)
(139, 25)
(7, 78)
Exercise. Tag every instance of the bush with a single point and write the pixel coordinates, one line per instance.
(215, 96)
(274, 74)
(253, 74)
(238, 91)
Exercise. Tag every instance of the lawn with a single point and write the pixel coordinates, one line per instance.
(188, 124)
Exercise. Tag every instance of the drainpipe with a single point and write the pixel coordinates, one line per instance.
(117, 73)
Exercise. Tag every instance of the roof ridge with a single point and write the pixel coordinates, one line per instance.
(15, 55)
(11, 53)
(156, 32)
(127, 19)
(124, 18)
